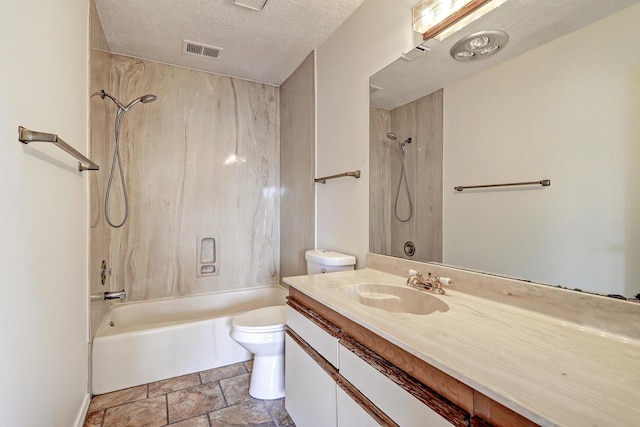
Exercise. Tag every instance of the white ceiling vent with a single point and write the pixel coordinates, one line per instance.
(200, 49)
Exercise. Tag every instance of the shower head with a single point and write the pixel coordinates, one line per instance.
(145, 99)
(392, 136)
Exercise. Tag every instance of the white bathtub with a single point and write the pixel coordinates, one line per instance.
(140, 342)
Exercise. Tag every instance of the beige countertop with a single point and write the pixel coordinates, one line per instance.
(549, 370)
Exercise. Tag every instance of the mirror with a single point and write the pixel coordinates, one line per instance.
(560, 102)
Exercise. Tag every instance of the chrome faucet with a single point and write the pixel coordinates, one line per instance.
(116, 295)
(429, 283)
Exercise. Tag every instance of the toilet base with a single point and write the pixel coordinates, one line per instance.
(267, 377)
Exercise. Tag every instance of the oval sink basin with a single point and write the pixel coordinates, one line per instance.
(395, 299)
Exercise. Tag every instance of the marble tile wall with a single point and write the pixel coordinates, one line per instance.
(202, 160)
(422, 121)
(297, 168)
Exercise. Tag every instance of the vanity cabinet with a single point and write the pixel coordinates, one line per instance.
(310, 391)
(392, 399)
(331, 380)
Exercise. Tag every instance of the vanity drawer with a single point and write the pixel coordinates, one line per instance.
(321, 341)
(396, 402)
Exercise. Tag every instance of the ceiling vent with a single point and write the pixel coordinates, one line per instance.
(199, 49)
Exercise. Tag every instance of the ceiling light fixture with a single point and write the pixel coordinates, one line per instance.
(251, 4)
(479, 45)
(441, 18)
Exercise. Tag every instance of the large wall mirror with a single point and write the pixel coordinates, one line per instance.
(560, 102)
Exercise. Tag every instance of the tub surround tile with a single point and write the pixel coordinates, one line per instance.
(119, 397)
(236, 389)
(223, 372)
(251, 413)
(201, 421)
(145, 413)
(173, 384)
(194, 401)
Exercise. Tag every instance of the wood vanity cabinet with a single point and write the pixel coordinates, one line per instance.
(339, 373)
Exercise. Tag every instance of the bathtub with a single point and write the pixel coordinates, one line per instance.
(141, 342)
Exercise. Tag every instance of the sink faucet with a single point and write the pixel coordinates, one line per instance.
(429, 283)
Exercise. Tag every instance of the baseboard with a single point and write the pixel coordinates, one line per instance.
(83, 411)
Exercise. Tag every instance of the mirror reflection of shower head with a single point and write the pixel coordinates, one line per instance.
(392, 136)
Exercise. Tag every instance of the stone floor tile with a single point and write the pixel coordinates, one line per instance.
(236, 389)
(201, 421)
(278, 412)
(194, 401)
(250, 413)
(94, 419)
(249, 365)
(144, 413)
(223, 372)
(173, 384)
(116, 398)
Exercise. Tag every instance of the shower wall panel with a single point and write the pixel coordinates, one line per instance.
(101, 115)
(297, 168)
(381, 191)
(202, 160)
(422, 121)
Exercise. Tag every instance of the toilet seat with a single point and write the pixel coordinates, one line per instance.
(266, 319)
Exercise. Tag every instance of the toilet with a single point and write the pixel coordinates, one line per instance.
(261, 331)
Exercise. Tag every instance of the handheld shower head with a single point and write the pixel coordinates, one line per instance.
(392, 136)
(145, 99)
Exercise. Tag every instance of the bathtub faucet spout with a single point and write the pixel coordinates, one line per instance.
(115, 295)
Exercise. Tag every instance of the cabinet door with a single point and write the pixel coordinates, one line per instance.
(314, 335)
(310, 391)
(350, 414)
(393, 400)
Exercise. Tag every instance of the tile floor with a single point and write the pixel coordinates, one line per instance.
(218, 397)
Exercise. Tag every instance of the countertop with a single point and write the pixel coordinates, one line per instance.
(546, 369)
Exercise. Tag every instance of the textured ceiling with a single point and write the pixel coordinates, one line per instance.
(264, 46)
(529, 23)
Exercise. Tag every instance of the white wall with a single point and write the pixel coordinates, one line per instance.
(377, 33)
(43, 231)
(567, 111)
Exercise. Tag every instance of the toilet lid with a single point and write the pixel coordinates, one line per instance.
(266, 319)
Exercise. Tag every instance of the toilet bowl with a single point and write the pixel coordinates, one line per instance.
(261, 332)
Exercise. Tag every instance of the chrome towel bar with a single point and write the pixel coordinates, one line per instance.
(26, 136)
(544, 183)
(323, 180)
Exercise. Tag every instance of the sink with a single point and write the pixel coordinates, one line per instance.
(395, 299)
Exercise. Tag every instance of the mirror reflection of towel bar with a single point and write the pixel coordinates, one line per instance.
(323, 180)
(544, 183)
(26, 136)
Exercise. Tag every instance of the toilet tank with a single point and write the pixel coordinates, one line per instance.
(325, 261)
